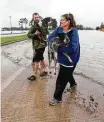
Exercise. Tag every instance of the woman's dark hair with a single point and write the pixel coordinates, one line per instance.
(71, 18)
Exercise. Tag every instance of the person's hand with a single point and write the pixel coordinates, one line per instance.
(37, 33)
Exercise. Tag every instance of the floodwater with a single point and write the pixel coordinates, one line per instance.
(91, 63)
(14, 33)
(83, 104)
(90, 66)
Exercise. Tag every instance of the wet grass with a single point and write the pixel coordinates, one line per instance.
(8, 40)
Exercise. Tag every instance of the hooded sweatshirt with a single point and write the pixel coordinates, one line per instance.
(69, 54)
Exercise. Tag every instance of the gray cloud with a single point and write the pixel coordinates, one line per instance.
(88, 13)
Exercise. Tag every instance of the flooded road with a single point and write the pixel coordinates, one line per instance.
(7, 68)
(14, 33)
(91, 64)
(24, 101)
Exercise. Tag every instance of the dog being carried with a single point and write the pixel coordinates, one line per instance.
(53, 45)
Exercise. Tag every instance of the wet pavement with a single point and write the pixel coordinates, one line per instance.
(5, 66)
(24, 101)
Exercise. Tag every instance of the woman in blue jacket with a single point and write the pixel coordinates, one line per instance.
(68, 55)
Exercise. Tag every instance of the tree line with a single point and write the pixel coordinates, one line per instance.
(100, 27)
(82, 27)
(48, 22)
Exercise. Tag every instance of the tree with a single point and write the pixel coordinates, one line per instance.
(23, 21)
(102, 25)
(97, 28)
(80, 27)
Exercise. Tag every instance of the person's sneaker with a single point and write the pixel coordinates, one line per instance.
(54, 102)
(32, 78)
(43, 73)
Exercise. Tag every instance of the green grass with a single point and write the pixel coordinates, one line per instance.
(7, 40)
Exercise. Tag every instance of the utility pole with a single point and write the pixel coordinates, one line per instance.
(10, 24)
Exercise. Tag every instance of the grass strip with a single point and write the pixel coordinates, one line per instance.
(8, 40)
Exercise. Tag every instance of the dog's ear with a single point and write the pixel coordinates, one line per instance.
(41, 18)
(45, 21)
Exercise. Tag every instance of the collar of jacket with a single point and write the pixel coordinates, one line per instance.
(62, 31)
(34, 23)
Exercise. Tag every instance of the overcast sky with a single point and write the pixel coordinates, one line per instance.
(86, 12)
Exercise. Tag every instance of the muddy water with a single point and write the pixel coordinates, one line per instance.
(84, 103)
(14, 56)
(19, 53)
(14, 33)
(91, 65)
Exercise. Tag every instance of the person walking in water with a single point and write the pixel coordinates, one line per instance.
(38, 35)
(68, 55)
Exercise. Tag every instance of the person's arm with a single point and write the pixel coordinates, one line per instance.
(30, 34)
(53, 34)
(73, 44)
